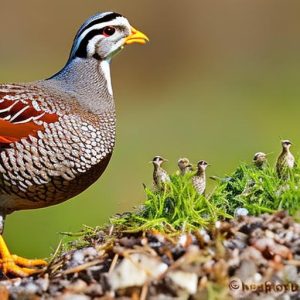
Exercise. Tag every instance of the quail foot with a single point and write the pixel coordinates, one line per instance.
(199, 179)
(57, 135)
(285, 161)
(160, 176)
(184, 166)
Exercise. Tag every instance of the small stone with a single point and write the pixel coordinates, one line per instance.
(241, 212)
(185, 280)
(135, 270)
(43, 283)
(31, 288)
(78, 286)
(69, 296)
(78, 257)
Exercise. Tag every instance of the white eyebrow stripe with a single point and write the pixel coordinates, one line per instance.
(119, 21)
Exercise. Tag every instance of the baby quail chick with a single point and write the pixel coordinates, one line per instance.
(286, 160)
(184, 166)
(260, 160)
(160, 176)
(199, 179)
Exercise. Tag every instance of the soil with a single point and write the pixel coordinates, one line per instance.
(249, 257)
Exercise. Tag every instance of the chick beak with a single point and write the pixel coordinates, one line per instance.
(136, 37)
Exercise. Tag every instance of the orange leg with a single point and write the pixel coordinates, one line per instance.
(18, 266)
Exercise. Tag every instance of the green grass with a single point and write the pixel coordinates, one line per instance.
(259, 191)
(179, 208)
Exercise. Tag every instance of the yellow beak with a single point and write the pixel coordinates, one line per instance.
(136, 37)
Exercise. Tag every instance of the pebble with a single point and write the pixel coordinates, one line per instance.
(252, 249)
(185, 280)
(135, 270)
(241, 212)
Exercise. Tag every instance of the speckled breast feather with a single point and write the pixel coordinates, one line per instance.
(51, 148)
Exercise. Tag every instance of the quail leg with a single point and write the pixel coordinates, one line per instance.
(18, 266)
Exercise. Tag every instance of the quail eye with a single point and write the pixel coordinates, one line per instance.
(108, 31)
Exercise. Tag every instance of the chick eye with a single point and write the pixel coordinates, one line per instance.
(108, 31)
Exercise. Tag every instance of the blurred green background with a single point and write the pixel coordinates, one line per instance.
(220, 80)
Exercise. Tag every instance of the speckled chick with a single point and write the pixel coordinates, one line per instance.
(199, 179)
(260, 160)
(285, 161)
(160, 176)
(184, 166)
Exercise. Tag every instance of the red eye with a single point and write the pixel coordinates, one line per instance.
(108, 31)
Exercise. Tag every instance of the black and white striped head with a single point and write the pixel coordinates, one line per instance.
(158, 160)
(104, 35)
(202, 165)
(286, 144)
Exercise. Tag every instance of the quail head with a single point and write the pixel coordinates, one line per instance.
(160, 176)
(184, 166)
(260, 160)
(285, 161)
(199, 179)
(57, 135)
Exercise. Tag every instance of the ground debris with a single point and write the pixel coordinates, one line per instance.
(248, 257)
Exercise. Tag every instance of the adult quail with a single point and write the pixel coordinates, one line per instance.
(160, 176)
(57, 135)
(285, 161)
(260, 160)
(199, 179)
(184, 166)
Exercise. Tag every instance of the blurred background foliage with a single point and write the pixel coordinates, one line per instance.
(219, 81)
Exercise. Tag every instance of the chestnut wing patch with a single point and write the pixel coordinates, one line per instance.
(19, 119)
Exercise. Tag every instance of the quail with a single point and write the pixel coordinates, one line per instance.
(57, 135)
(184, 166)
(199, 179)
(285, 161)
(160, 176)
(260, 160)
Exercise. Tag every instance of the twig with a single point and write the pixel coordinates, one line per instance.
(113, 263)
(82, 267)
(144, 292)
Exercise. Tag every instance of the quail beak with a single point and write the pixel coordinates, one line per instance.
(136, 37)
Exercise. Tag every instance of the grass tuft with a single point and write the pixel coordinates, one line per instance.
(258, 191)
(179, 207)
